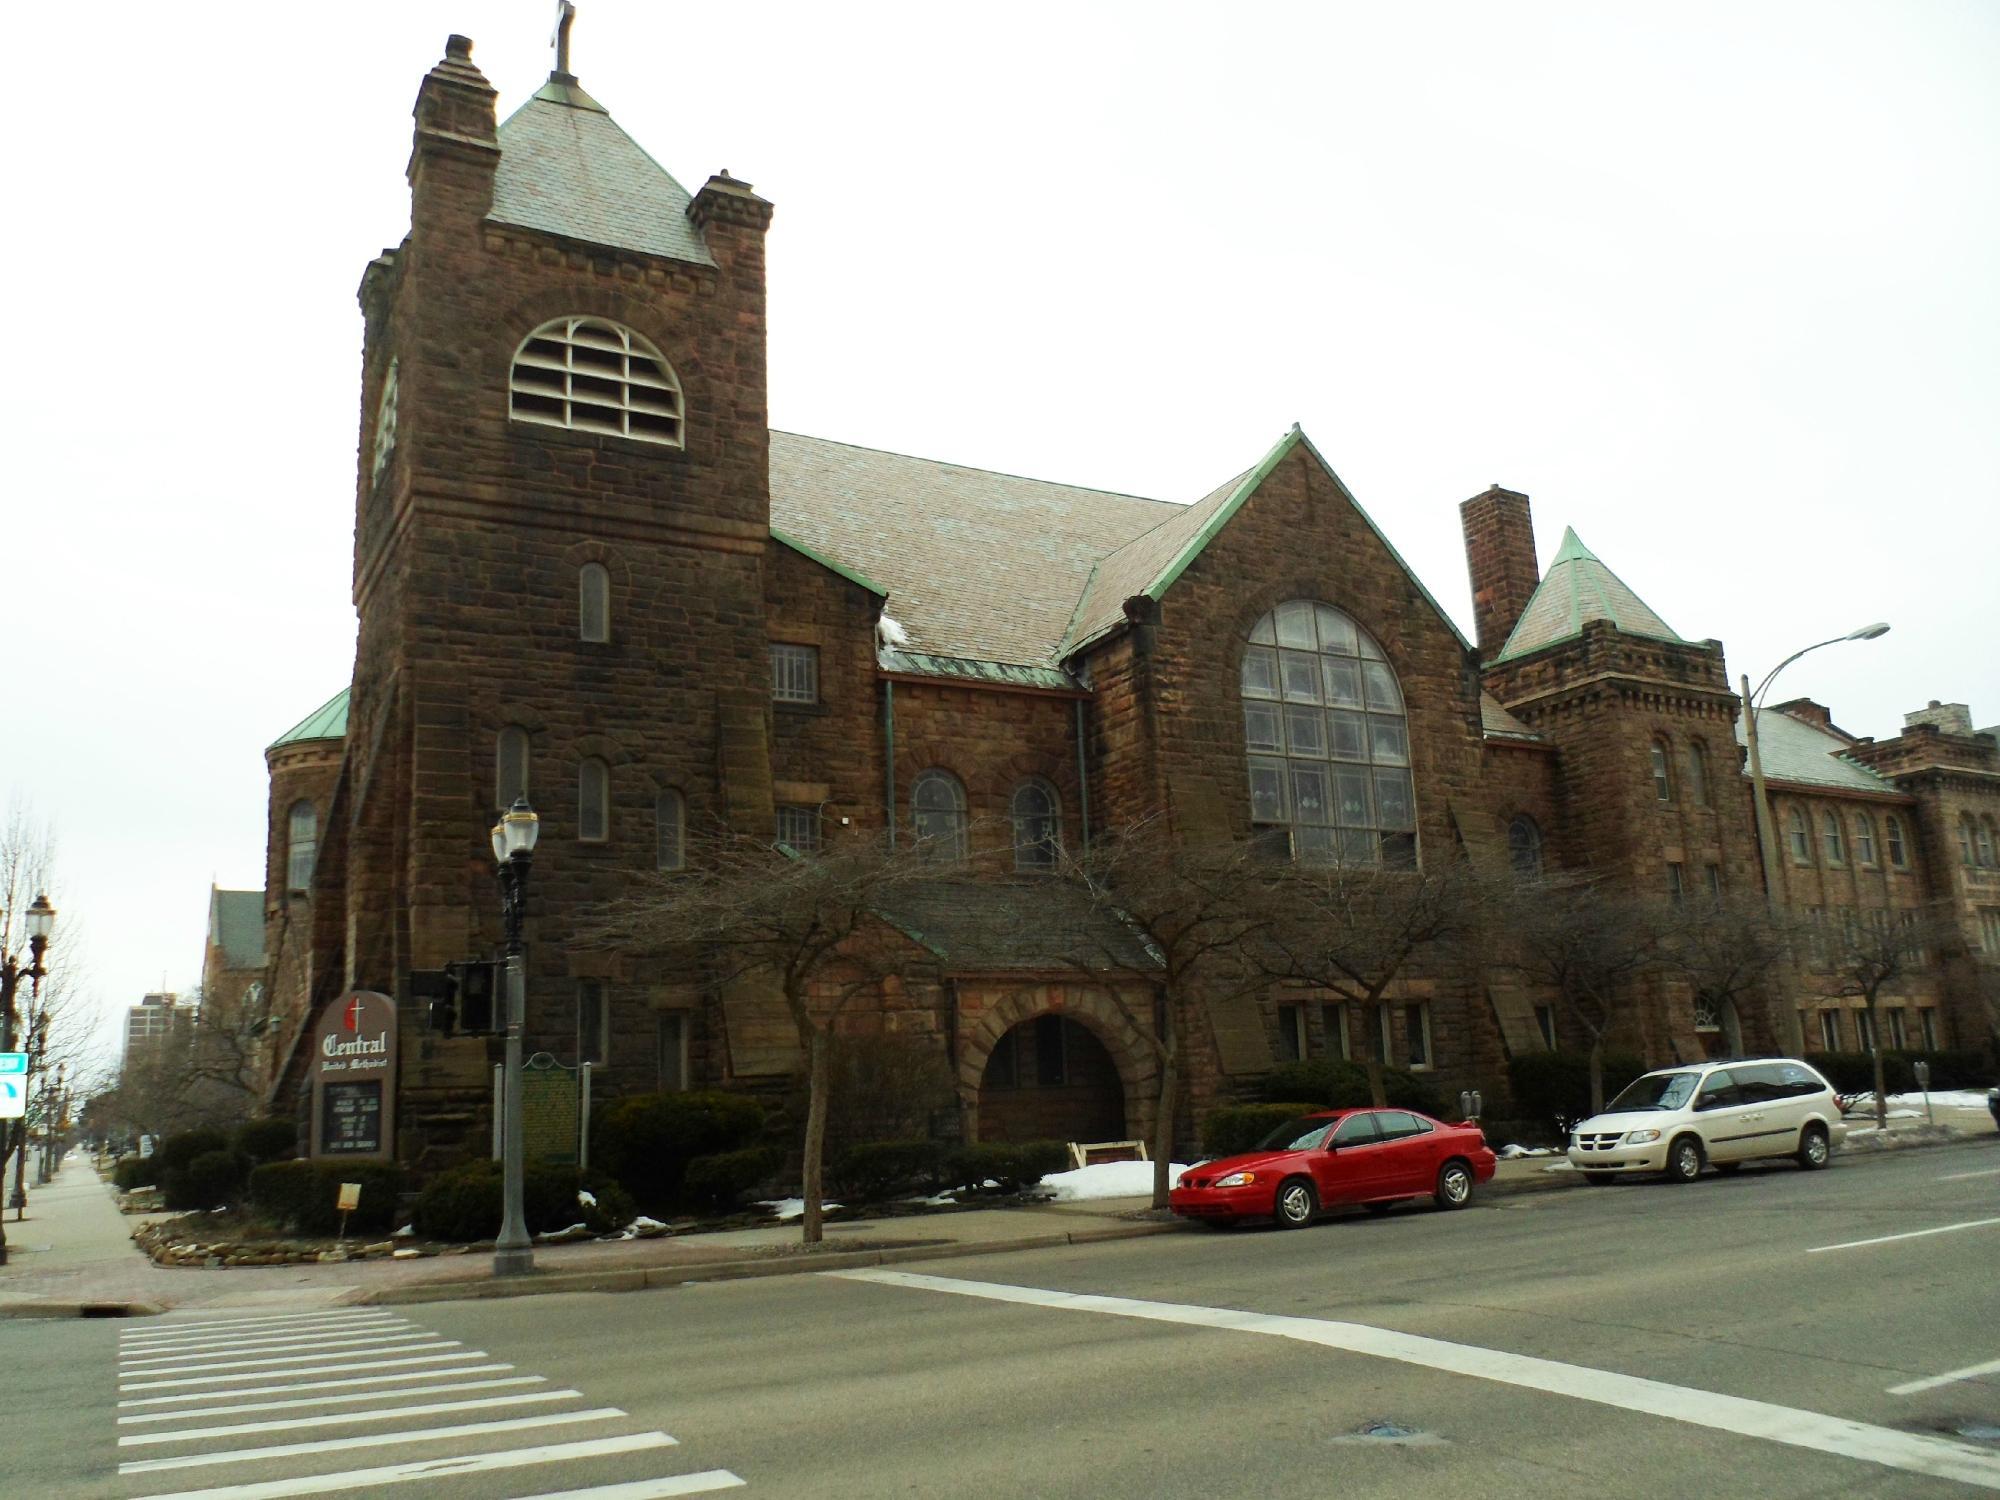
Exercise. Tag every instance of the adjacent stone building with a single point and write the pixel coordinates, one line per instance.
(588, 572)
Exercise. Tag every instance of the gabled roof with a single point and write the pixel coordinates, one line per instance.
(1498, 724)
(1793, 750)
(327, 722)
(567, 168)
(236, 926)
(1578, 588)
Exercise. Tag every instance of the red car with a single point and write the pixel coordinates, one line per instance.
(1374, 1157)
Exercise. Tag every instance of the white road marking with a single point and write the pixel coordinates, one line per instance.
(402, 1344)
(1914, 1234)
(362, 1481)
(211, 1357)
(181, 1325)
(342, 1418)
(1910, 1452)
(1950, 1377)
(371, 1440)
(316, 1385)
(197, 1413)
(209, 1328)
(1961, 1176)
(261, 1337)
(651, 1489)
(362, 1364)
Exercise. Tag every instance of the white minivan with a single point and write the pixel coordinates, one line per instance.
(1721, 1114)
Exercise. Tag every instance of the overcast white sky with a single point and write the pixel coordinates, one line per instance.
(1714, 283)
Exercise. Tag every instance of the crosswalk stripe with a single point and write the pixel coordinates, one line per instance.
(371, 1440)
(277, 1361)
(651, 1489)
(198, 1413)
(216, 1358)
(364, 1480)
(316, 1385)
(182, 1324)
(211, 1328)
(344, 1418)
(262, 1336)
(362, 1364)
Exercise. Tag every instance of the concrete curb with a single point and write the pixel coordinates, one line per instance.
(80, 1309)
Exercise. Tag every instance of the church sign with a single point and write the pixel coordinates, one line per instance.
(354, 1078)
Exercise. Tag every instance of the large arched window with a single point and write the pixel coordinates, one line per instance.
(1037, 826)
(937, 808)
(669, 830)
(301, 846)
(1329, 747)
(593, 800)
(592, 375)
(593, 602)
(1524, 846)
(510, 766)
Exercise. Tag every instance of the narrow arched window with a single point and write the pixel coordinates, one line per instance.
(1327, 739)
(301, 846)
(1524, 846)
(1697, 774)
(1898, 854)
(1864, 839)
(1987, 842)
(593, 801)
(593, 602)
(1965, 840)
(385, 426)
(937, 808)
(592, 375)
(1830, 836)
(1799, 838)
(1663, 772)
(669, 830)
(510, 766)
(1037, 826)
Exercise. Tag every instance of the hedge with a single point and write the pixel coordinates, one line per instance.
(303, 1197)
(1333, 1083)
(875, 1170)
(266, 1140)
(1009, 1165)
(1555, 1086)
(646, 1141)
(466, 1203)
(1854, 1072)
(130, 1172)
(1236, 1128)
(721, 1181)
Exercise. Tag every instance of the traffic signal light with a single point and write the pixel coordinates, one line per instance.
(475, 991)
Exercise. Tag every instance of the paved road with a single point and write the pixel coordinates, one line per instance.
(1728, 1339)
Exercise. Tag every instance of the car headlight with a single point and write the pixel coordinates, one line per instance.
(1236, 1179)
(1640, 1137)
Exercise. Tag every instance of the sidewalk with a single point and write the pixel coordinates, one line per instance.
(74, 1253)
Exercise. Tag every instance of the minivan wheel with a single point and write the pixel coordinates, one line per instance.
(1684, 1160)
(1296, 1203)
(1454, 1189)
(1813, 1148)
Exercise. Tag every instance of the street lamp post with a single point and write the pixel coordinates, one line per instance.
(1767, 839)
(41, 924)
(514, 850)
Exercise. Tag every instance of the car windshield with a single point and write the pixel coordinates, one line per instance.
(1654, 1091)
(1295, 1135)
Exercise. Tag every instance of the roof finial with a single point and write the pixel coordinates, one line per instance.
(565, 16)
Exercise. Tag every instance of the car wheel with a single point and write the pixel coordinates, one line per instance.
(1598, 1179)
(1380, 1205)
(1684, 1160)
(1454, 1189)
(1813, 1148)
(1297, 1203)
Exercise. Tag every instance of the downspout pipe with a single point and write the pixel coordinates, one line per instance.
(889, 757)
(1082, 777)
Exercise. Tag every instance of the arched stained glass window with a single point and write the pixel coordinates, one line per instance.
(1037, 826)
(1328, 741)
(1524, 846)
(593, 602)
(937, 808)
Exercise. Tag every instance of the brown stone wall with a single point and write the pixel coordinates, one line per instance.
(828, 753)
(992, 740)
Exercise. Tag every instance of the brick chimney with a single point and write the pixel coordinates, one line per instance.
(1500, 556)
(1947, 718)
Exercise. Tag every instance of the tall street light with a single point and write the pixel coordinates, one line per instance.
(1767, 841)
(514, 849)
(40, 922)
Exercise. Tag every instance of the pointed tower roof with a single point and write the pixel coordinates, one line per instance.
(1579, 588)
(567, 168)
(327, 722)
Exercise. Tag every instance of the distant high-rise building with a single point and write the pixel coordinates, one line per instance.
(155, 1018)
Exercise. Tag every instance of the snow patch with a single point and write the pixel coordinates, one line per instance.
(1515, 1153)
(891, 631)
(792, 1208)
(1108, 1179)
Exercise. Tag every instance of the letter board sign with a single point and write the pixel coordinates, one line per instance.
(354, 1078)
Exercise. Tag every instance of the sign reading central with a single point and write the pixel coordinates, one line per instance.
(354, 1078)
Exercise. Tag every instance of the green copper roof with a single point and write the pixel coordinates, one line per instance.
(327, 722)
(1793, 750)
(1579, 588)
(567, 168)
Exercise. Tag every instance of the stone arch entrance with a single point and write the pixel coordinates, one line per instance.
(1719, 1027)
(1052, 1063)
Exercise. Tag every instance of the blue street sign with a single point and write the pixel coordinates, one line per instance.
(13, 1062)
(13, 1099)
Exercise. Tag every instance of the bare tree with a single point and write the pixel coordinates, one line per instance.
(1352, 931)
(1867, 953)
(1170, 917)
(1727, 949)
(1587, 944)
(746, 911)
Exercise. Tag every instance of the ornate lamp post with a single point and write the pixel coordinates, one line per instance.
(1767, 839)
(514, 850)
(41, 924)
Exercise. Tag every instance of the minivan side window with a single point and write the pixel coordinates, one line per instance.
(1757, 1084)
(1717, 1092)
(1796, 1081)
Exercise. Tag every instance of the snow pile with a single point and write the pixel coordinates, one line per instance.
(891, 631)
(792, 1208)
(1515, 1153)
(1108, 1179)
(1941, 1098)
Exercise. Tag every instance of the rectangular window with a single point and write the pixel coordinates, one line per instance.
(1333, 1022)
(1829, 1030)
(1051, 1057)
(794, 673)
(798, 826)
(1417, 1034)
(671, 1049)
(1927, 1026)
(1545, 1023)
(1864, 1027)
(593, 1022)
(1291, 1033)
(1715, 882)
(1676, 882)
(1989, 930)
(1899, 1034)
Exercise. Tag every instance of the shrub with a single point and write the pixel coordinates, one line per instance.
(467, 1202)
(1334, 1083)
(266, 1140)
(1236, 1128)
(645, 1141)
(1555, 1086)
(722, 1180)
(213, 1179)
(176, 1151)
(304, 1196)
(131, 1172)
(877, 1169)
(882, 1086)
(1854, 1072)
(1011, 1165)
